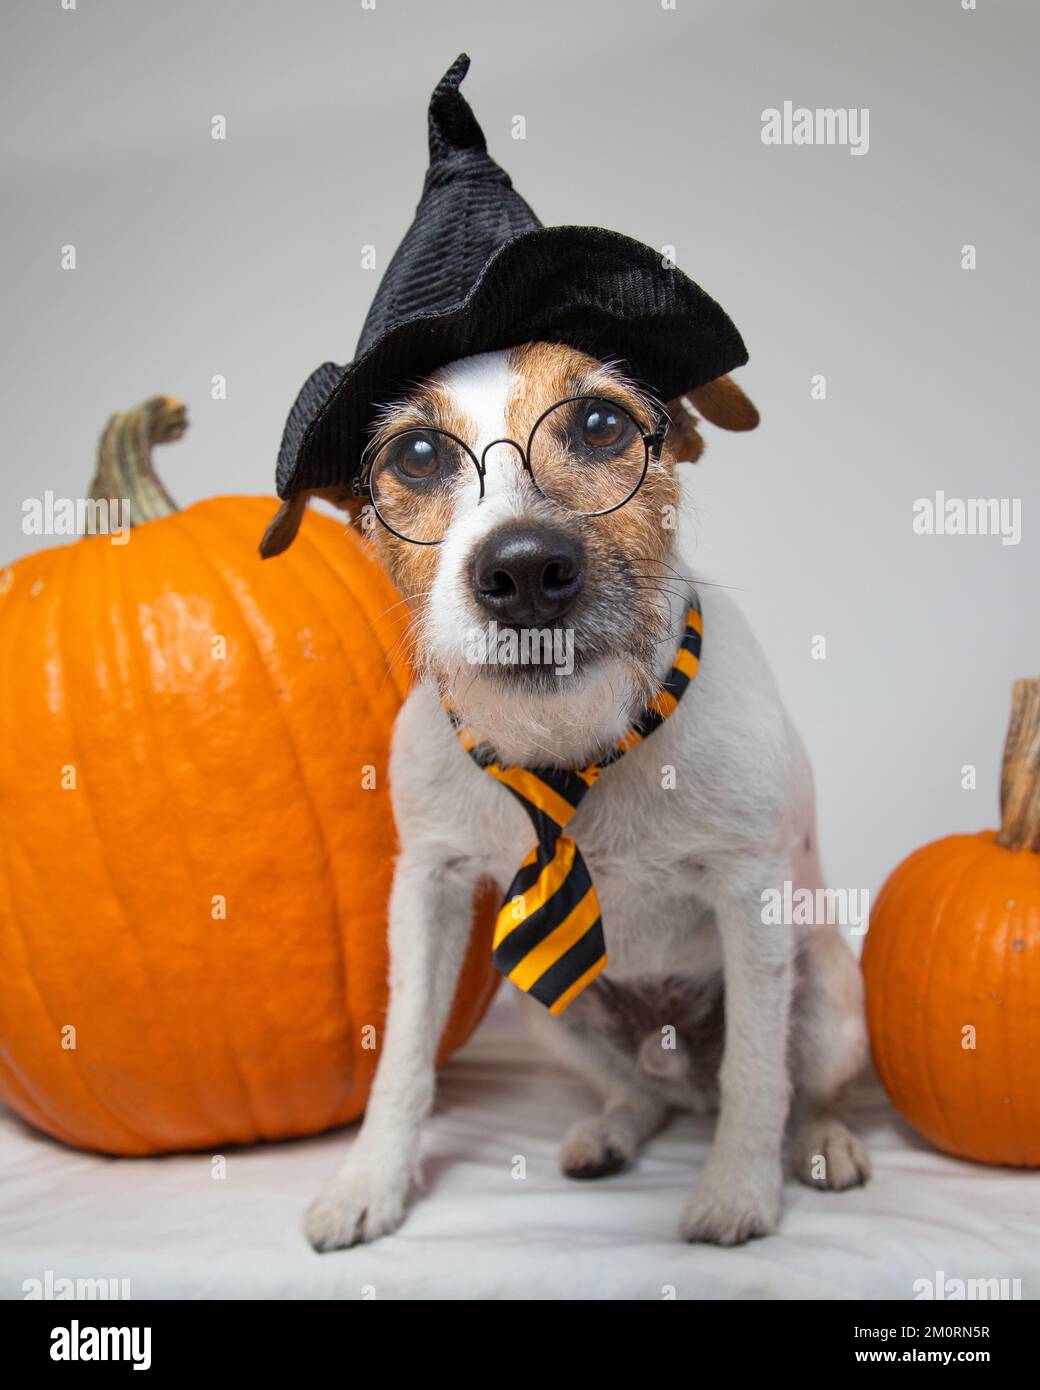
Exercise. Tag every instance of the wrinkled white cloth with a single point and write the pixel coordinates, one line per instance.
(481, 1232)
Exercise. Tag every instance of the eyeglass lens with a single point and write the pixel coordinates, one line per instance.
(586, 455)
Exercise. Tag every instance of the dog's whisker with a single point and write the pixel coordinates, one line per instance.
(684, 579)
(401, 639)
(404, 599)
(409, 641)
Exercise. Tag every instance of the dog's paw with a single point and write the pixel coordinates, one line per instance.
(359, 1204)
(594, 1148)
(728, 1210)
(829, 1156)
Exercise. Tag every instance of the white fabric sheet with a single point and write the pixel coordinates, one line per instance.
(479, 1232)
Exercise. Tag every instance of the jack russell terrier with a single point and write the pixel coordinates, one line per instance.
(698, 1003)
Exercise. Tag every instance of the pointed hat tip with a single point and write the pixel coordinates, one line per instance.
(458, 70)
(453, 125)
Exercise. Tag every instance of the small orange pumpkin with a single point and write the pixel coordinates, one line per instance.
(952, 968)
(194, 861)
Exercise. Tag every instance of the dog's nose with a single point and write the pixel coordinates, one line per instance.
(528, 575)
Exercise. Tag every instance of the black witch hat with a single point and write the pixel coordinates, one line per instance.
(477, 271)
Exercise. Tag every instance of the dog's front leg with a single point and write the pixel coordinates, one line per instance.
(738, 1193)
(431, 912)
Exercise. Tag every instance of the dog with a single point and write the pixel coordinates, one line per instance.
(702, 1005)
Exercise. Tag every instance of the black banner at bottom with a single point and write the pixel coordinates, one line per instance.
(161, 1340)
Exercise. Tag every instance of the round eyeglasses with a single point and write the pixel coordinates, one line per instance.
(587, 454)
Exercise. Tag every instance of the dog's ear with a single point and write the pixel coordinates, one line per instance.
(684, 440)
(721, 402)
(285, 523)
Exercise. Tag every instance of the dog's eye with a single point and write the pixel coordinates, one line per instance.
(604, 425)
(416, 456)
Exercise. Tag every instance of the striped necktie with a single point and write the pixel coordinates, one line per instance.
(548, 933)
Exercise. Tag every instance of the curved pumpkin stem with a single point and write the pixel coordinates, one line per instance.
(124, 460)
(1020, 779)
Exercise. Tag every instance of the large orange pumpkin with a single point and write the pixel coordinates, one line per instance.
(194, 863)
(952, 967)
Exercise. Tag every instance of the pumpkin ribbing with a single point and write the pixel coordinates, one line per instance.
(197, 777)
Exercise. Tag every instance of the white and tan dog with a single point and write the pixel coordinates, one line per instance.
(756, 1011)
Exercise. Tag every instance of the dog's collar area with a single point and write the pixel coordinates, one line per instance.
(684, 668)
(549, 933)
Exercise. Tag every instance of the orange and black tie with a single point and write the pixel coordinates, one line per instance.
(549, 934)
